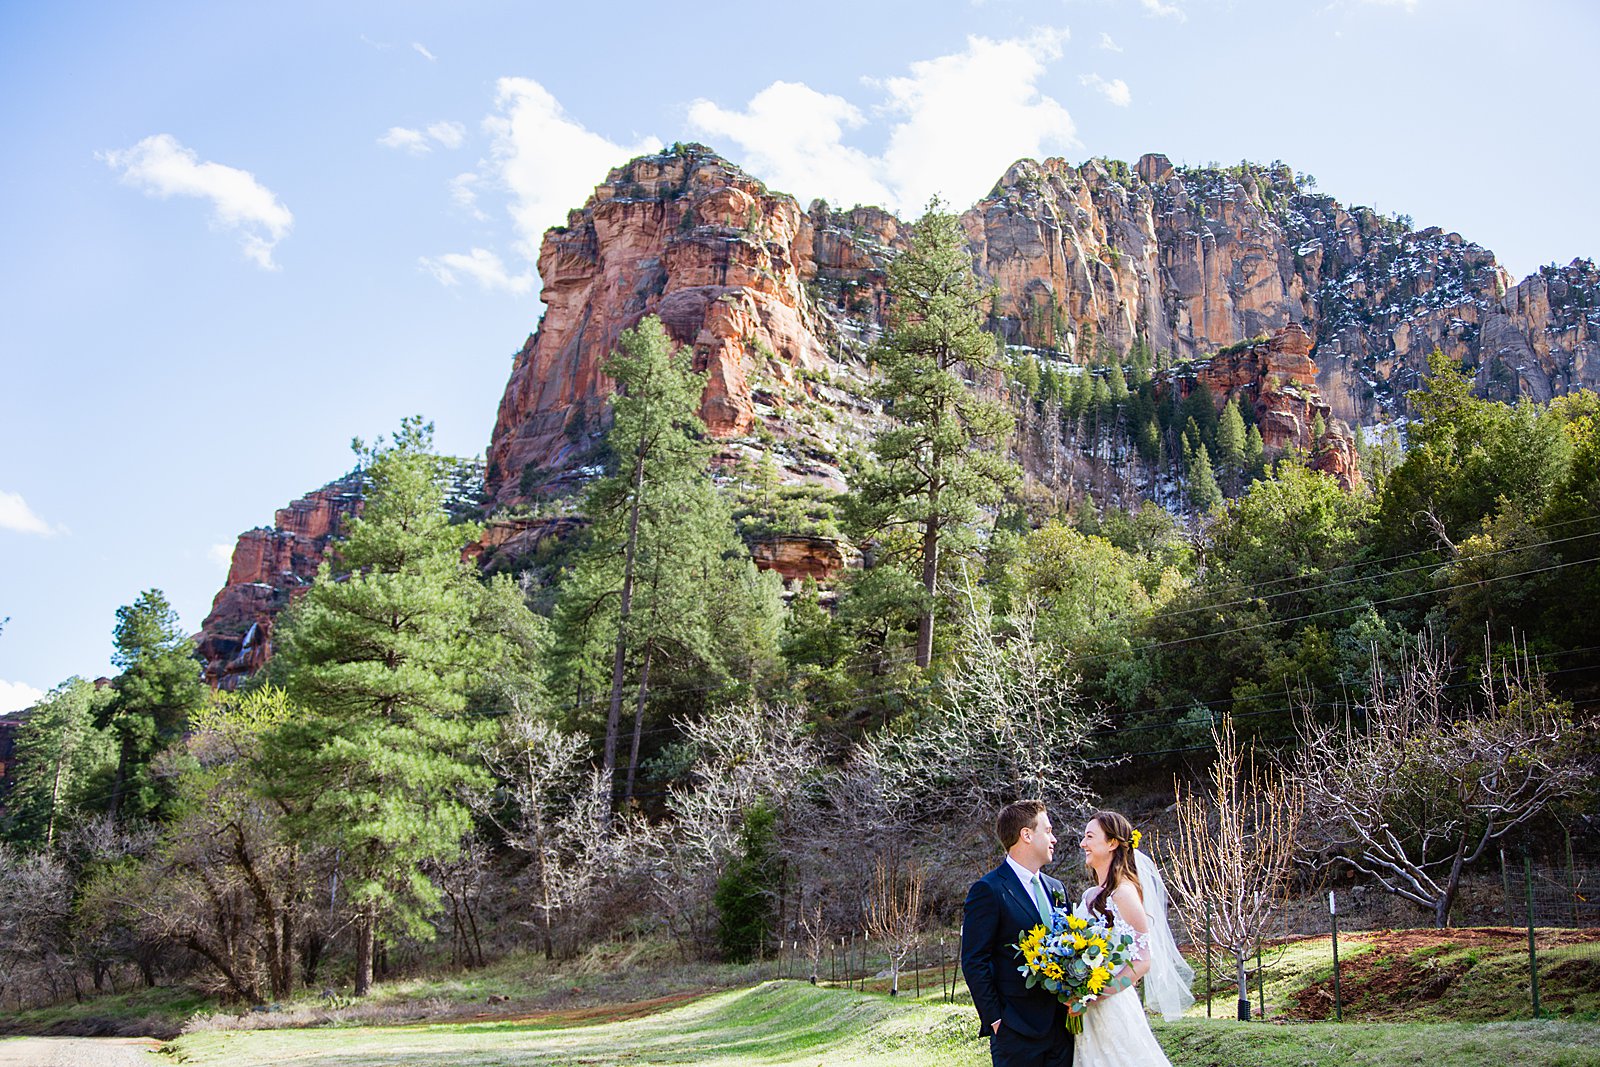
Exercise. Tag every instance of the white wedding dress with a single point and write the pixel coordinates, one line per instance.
(1115, 1030)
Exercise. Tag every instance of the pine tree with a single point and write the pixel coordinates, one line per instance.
(157, 691)
(1255, 453)
(379, 662)
(943, 457)
(1231, 441)
(663, 578)
(58, 752)
(1203, 491)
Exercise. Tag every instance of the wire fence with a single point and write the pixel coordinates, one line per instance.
(1523, 943)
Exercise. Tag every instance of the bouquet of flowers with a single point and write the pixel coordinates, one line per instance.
(1073, 958)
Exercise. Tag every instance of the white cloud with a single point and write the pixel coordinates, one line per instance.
(162, 167)
(481, 266)
(424, 53)
(411, 140)
(1161, 10)
(421, 142)
(16, 515)
(464, 192)
(792, 136)
(1108, 45)
(546, 159)
(1115, 90)
(221, 555)
(449, 134)
(989, 93)
(14, 696)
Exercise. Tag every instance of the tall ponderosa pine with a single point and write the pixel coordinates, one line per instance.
(58, 753)
(944, 454)
(157, 691)
(664, 580)
(1231, 442)
(380, 663)
(1203, 491)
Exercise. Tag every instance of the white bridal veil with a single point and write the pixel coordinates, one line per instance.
(1166, 985)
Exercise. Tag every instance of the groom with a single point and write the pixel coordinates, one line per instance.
(1026, 1027)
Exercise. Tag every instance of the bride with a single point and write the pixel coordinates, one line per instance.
(1129, 894)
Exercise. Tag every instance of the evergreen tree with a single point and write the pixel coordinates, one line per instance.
(58, 753)
(1203, 491)
(663, 580)
(1117, 384)
(1255, 453)
(380, 663)
(1232, 439)
(944, 456)
(157, 691)
(1027, 375)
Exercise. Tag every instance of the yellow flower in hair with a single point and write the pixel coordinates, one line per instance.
(1134, 841)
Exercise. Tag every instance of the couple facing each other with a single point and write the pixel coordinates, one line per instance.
(1028, 1027)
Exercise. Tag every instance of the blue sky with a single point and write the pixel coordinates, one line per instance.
(237, 235)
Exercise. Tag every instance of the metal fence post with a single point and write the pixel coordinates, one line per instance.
(916, 967)
(1572, 879)
(1338, 1000)
(1533, 952)
(943, 978)
(1505, 884)
(1208, 959)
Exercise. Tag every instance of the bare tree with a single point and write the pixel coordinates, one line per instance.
(1010, 726)
(35, 911)
(1235, 849)
(1425, 784)
(745, 756)
(559, 815)
(894, 913)
(813, 921)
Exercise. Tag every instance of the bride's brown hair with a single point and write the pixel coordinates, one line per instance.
(1116, 827)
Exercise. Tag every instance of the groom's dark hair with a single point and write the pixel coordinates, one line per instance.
(1014, 818)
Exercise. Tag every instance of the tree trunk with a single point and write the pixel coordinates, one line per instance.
(1447, 899)
(1244, 987)
(930, 578)
(638, 717)
(364, 927)
(614, 713)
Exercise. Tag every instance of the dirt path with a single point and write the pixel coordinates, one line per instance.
(77, 1052)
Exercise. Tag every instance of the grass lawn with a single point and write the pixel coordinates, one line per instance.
(794, 1023)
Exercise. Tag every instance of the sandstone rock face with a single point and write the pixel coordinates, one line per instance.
(271, 565)
(797, 557)
(780, 304)
(1278, 380)
(723, 262)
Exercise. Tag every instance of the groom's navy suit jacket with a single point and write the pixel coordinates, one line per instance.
(996, 912)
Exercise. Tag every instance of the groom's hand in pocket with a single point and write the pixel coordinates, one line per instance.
(996, 1026)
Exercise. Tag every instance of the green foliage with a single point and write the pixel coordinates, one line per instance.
(59, 759)
(380, 662)
(158, 689)
(943, 458)
(746, 889)
(663, 585)
(1204, 495)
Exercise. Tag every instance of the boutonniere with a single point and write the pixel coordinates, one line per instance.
(1058, 898)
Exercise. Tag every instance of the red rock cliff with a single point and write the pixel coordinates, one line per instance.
(271, 565)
